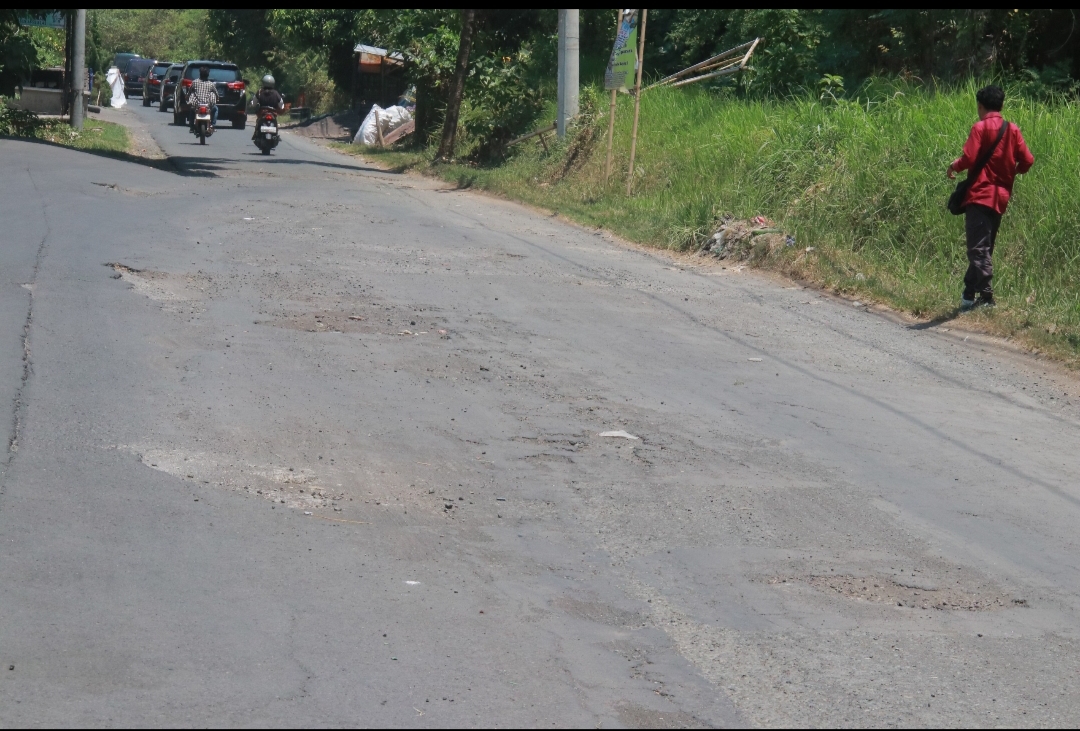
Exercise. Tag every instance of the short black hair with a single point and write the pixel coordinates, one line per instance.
(204, 73)
(991, 97)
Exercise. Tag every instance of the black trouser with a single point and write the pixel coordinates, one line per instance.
(981, 226)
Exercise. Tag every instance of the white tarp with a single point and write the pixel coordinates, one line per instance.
(116, 83)
(389, 119)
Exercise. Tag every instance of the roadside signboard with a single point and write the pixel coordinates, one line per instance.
(623, 63)
(48, 20)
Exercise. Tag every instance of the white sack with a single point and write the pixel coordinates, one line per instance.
(116, 83)
(389, 119)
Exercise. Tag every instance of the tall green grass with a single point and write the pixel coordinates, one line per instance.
(861, 181)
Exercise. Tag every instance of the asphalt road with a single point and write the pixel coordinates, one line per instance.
(295, 441)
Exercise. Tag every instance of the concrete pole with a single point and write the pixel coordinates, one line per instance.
(78, 70)
(569, 46)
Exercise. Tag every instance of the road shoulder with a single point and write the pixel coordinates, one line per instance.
(142, 141)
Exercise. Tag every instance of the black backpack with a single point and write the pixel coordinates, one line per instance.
(956, 200)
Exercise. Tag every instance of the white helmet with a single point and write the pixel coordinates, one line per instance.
(268, 82)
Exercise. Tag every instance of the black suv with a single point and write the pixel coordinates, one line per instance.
(135, 77)
(151, 91)
(231, 90)
(168, 86)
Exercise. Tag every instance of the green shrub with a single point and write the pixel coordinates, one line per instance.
(18, 122)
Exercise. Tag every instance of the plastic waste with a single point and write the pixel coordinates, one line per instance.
(116, 83)
(386, 120)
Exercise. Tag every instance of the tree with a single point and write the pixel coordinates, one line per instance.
(457, 86)
(17, 51)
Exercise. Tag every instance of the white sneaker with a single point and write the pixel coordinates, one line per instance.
(966, 304)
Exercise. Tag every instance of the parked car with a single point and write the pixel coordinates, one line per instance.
(135, 77)
(152, 86)
(231, 89)
(168, 86)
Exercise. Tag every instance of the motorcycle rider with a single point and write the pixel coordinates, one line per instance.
(268, 97)
(203, 92)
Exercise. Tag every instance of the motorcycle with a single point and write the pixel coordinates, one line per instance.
(266, 134)
(202, 126)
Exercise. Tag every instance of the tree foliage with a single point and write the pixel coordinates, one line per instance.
(166, 34)
(512, 63)
(18, 53)
(800, 47)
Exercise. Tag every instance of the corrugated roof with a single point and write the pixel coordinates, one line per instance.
(375, 51)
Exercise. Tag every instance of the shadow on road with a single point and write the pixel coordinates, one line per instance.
(319, 163)
(158, 164)
(200, 167)
(940, 320)
(197, 166)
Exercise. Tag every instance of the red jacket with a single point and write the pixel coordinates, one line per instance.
(994, 185)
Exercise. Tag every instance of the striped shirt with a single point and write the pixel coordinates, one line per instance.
(202, 92)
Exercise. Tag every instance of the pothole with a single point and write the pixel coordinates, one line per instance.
(293, 487)
(362, 320)
(597, 611)
(914, 593)
(163, 286)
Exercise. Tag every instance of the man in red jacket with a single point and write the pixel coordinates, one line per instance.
(989, 194)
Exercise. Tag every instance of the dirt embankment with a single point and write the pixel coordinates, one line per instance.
(339, 127)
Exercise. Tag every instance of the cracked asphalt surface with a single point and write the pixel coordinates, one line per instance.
(294, 441)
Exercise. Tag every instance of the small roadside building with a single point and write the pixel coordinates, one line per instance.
(378, 77)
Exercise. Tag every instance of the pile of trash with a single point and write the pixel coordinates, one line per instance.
(749, 238)
(381, 122)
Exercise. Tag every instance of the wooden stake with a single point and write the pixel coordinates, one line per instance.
(637, 102)
(611, 120)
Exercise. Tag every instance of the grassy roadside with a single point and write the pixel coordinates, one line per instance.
(97, 136)
(861, 183)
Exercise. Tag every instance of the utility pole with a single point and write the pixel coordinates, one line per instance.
(637, 101)
(569, 46)
(78, 69)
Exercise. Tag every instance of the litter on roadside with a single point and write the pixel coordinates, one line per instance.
(618, 433)
(741, 239)
(379, 123)
(754, 360)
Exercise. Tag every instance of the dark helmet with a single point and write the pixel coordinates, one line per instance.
(204, 72)
(268, 82)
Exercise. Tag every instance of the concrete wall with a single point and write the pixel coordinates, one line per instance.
(43, 101)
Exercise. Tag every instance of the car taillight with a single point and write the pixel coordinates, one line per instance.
(202, 110)
(155, 81)
(186, 83)
(235, 85)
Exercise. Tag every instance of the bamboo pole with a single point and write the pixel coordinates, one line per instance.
(637, 102)
(611, 116)
(706, 64)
